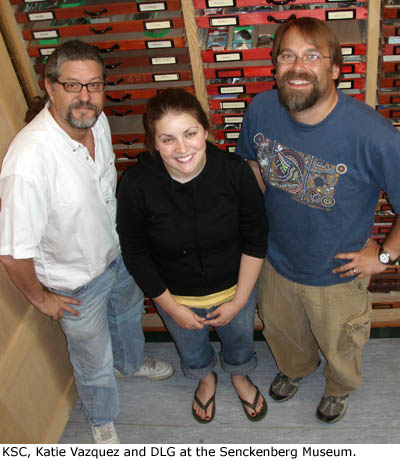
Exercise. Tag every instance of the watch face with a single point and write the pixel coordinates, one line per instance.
(384, 258)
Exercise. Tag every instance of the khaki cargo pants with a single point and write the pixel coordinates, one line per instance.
(299, 320)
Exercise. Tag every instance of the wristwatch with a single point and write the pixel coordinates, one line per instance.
(384, 257)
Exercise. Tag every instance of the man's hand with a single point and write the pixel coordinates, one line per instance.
(363, 263)
(54, 305)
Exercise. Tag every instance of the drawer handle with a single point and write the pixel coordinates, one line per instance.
(100, 31)
(281, 2)
(124, 98)
(131, 157)
(108, 50)
(272, 19)
(95, 13)
(117, 82)
(121, 114)
(113, 66)
(128, 143)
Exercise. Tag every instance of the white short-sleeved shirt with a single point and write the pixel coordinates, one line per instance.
(58, 205)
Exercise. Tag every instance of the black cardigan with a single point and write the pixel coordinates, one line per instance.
(189, 237)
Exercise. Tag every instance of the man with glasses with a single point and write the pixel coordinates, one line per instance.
(324, 158)
(58, 240)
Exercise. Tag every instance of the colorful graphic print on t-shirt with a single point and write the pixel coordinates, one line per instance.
(308, 179)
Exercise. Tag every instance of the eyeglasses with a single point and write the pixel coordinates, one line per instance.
(76, 87)
(311, 59)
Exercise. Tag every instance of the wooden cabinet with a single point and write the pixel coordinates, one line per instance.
(216, 49)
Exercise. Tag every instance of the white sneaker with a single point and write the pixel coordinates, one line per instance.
(105, 433)
(155, 369)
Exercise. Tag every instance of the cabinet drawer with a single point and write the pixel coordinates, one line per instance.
(95, 9)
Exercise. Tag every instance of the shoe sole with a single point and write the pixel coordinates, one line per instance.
(152, 378)
(156, 377)
(329, 419)
(281, 398)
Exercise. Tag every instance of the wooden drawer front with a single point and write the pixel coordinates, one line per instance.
(390, 49)
(278, 16)
(157, 60)
(255, 54)
(128, 95)
(390, 113)
(240, 72)
(228, 119)
(392, 12)
(128, 139)
(229, 104)
(101, 29)
(389, 98)
(390, 66)
(201, 4)
(390, 82)
(121, 45)
(242, 88)
(96, 9)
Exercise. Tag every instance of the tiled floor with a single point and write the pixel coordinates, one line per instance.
(160, 412)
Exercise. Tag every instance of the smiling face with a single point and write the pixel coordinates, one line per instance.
(76, 111)
(181, 141)
(303, 87)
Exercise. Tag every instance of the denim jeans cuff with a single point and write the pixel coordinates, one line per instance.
(239, 370)
(199, 373)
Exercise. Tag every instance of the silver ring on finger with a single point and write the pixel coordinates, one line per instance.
(354, 271)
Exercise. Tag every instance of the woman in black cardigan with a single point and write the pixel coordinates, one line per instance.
(192, 227)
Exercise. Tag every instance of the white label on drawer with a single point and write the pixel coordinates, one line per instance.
(46, 51)
(231, 21)
(217, 3)
(160, 44)
(394, 40)
(231, 89)
(233, 105)
(345, 85)
(225, 57)
(232, 149)
(233, 119)
(165, 77)
(232, 135)
(41, 16)
(167, 60)
(347, 51)
(334, 15)
(45, 34)
(391, 58)
(152, 6)
(158, 25)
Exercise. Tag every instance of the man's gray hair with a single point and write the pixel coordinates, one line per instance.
(73, 50)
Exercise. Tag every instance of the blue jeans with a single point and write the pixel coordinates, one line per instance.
(237, 348)
(107, 334)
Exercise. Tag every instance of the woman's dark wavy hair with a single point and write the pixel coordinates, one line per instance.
(314, 31)
(172, 100)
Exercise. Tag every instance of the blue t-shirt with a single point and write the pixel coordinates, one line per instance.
(323, 181)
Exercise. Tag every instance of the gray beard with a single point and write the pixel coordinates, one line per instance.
(82, 123)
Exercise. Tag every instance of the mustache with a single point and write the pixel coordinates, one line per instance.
(293, 75)
(84, 105)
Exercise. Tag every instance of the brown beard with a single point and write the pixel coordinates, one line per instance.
(296, 100)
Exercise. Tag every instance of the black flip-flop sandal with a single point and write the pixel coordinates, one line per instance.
(203, 406)
(259, 416)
